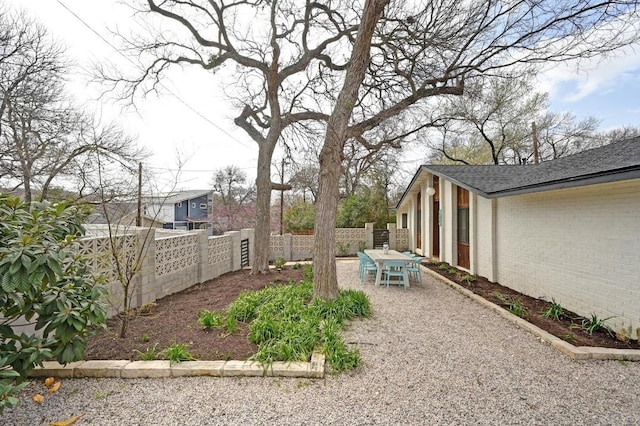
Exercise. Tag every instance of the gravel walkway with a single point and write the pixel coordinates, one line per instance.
(432, 356)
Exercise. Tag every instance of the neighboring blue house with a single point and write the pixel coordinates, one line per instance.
(185, 209)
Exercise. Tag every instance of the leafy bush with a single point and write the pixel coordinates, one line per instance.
(555, 311)
(149, 355)
(594, 324)
(46, 282)
(280, 263)
(177, 352)
(287, 323)
(210, 319)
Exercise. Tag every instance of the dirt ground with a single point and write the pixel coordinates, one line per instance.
(567, 327)
(173, 319)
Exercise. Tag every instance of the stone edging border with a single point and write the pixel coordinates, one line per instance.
(155, 369)
(574, 352)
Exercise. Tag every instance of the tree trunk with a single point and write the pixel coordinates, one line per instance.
(325, 281)
(262, 234)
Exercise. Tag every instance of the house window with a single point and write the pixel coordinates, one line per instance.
(404, 221)
(203, 206)
(463, 224)
(463, 215)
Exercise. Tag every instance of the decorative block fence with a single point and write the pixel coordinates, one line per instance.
(168, 262)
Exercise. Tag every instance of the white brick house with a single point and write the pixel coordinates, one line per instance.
(567, 229)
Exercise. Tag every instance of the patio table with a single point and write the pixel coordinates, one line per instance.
(379, 257)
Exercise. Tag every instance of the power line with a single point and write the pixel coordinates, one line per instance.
(115, 49)
(164, 169)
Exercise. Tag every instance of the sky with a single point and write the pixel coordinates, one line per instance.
(195, 122)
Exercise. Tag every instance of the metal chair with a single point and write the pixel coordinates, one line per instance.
(413, 269)
(394, 269)
(367, 266)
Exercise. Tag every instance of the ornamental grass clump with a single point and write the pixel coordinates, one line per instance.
(288, 323)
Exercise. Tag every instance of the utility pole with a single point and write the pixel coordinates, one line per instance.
(281, 194)
(139, 215)
(534, 131)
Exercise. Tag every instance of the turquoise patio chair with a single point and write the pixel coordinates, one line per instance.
(367, 267)
(413, 269)
(394, 269)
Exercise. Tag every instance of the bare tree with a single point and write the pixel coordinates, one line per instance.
(233, 203)
(418, 51)
(282, 67)
(43, 137)
(492, 124)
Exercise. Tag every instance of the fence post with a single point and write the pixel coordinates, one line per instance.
(247, 233)
(234, 262)
(286, 247)
(368, 234)
(393, 239)
(203, 256)
(144, 282)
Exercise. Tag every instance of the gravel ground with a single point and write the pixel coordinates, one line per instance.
(432, 356)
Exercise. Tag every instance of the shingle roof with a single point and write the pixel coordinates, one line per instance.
(179, 196)
(616, 161)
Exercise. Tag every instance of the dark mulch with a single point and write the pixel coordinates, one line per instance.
(567, 327)
(174, 319)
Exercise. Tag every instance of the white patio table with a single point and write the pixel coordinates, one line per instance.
(379, 257)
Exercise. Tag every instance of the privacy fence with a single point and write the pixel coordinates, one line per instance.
(156, 263)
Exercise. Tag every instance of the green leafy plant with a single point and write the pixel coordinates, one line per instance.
(47, 281)
(287, 323)
(297, 265)
(452, 271)
(308, 272)
(210, 319)
(570, 337)
(148, 355)
(469, 279)
(177, 352)
(593, 324)
(362, 245)
(145, 337)
(517, 308)
(502, 298)
(555, 311)
(280, 263)
(343, 248)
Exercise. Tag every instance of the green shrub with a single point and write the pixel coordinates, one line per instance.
(177, 352)
(555, 311)
(280, 263)
(46, 281)
(590, 325)
(287, 323)
(148, 355)
(210, 319)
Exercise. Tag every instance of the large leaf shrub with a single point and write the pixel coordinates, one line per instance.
(45, 282)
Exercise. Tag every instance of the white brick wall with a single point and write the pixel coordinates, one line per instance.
(580, 246)
(483, 238)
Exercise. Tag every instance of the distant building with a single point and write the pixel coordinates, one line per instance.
(182, 210)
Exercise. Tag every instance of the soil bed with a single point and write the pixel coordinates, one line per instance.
(174, 319)
(567, 327)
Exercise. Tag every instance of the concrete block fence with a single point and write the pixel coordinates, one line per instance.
(169, 262)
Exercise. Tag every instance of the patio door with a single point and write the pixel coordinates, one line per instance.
(463, 228)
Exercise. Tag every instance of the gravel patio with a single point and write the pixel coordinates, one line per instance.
(432, 356)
